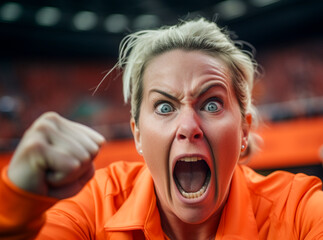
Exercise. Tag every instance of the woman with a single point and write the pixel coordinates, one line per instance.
(190, 90)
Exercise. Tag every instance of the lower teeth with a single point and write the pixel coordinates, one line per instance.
(192, 195)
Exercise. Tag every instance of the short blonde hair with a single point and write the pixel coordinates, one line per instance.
(138, 48)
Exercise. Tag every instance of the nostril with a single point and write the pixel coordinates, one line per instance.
(198, 136)
(195, 136)
(181, 136)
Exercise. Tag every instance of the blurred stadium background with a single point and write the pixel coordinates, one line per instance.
(54, 53)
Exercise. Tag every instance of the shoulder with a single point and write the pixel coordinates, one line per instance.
(291, 201)
(280, 183)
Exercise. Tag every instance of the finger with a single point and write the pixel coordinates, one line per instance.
(82, 137)
(60, 153)
(73, 188)
(87, 137)
(70, 145)
(60, 161)
(61, 122)
(75, 127)
(56, 179)
(60, 140)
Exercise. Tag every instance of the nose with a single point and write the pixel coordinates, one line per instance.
(189, 127)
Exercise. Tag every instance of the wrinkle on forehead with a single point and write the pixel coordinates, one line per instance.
(203, 70)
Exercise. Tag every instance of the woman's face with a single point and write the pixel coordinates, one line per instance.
(190, 132)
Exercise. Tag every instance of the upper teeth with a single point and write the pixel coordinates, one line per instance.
(190, 159)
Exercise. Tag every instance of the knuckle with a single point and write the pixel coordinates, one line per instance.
(35, 145)
(83, 156)
(53, 116)
(43, 125)
(95, 149)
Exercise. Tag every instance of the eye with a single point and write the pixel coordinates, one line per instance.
(164, 108)
(214, 105)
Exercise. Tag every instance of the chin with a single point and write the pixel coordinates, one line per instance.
(193, 216)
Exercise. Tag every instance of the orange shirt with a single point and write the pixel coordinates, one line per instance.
(120, 203)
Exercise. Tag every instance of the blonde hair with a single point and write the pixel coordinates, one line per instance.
(137, 49)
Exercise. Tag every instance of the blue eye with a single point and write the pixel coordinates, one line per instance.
(212, 106)
(164, 108)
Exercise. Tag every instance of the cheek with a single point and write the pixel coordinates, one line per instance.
(155, 152)
(225, 145)
(155, 146)
(226, 148)
(229, 140)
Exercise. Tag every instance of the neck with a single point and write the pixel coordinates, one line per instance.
(175, 228)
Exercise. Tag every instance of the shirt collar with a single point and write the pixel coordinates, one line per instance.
(140, 212)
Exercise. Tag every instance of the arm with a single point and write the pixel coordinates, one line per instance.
(53, 161)
(311, 226)
(21, 213)
(309, 215)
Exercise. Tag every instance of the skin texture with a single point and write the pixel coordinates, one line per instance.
(189, 108)
(54, 157)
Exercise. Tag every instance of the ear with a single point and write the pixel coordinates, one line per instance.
(136, 135)
(245, 131)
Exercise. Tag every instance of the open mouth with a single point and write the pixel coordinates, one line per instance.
(192, 176)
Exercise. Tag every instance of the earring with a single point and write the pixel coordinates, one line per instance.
(242, 147)
(140, 152)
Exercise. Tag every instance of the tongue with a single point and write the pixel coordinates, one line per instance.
(191, 175)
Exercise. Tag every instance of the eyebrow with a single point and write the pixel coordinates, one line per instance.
(207, 88)
(165, 94)
(199, 94)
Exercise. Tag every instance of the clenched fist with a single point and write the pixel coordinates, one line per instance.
(54, 157)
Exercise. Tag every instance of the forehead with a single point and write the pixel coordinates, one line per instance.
(183, 70)
(195, 58)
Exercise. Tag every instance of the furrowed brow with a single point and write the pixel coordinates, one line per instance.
(207, 88)
(165, 94)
